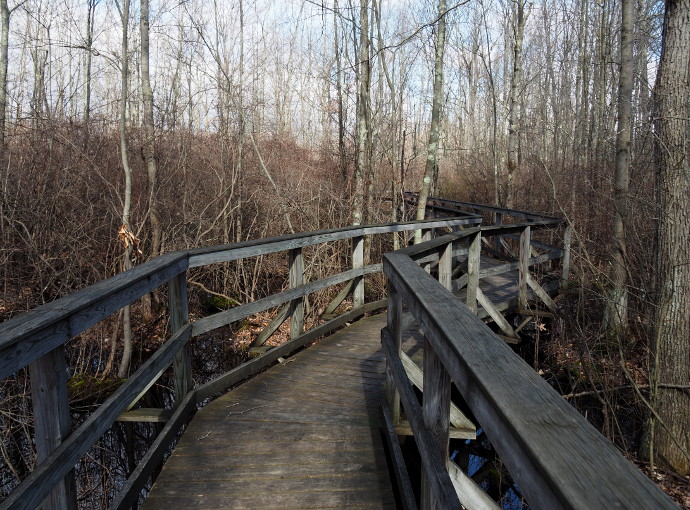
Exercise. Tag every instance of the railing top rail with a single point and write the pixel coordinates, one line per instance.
(455, 205)
(557, 458)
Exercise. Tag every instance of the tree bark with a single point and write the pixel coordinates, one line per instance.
(363, 137)
(671, 352)
(617, 306)
(435, 128)
(4, 56)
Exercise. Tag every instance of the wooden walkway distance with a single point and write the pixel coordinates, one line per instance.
(303, 434)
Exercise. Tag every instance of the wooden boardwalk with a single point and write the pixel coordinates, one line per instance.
(303, 434)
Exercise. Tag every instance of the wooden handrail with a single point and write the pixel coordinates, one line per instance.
(556, 457)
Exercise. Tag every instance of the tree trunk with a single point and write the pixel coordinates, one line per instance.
(436, 106)
(124, 69)
(148, 149)
(617, 309)
(671, 352)
(4, 48)
(513, 106)
(364, 65)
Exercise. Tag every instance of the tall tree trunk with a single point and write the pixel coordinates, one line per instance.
(513, 105)
(671, 362)
(436, 106)
(363, 128)
(148, 149)
(4, 48)
(617, 309)
(123, 370)
(342, 157)
(90, 14)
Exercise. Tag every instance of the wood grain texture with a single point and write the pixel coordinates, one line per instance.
(557, 458)
(271, 443)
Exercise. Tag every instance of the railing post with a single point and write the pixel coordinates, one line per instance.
(179, 316)
(567, 239)
(445, 266)
(524, 267)
(358, 263)
(297, 305)
(497, 238)
(394, 323)
(436, 413)
(473, 266)
(50, 401)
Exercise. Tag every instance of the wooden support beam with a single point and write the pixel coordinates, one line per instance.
(358, 263)
(523, 268)
(495, 314)
(436, 413)
(401, 476)
(497, 239)
(328, 313)
(148, 415)
(179, 317)
(445, 266)
(473, 266)
(297, 305)
(543, 295)
(395, 327)
(471, 495)
(50, 401)
(272, 327)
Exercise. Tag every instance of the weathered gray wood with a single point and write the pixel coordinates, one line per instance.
(565, 263)
(556, 457)
(337, 301)
(129, 494)
(357, 263)
(148, 415)
(524, 267)
(433, 462)
(495, 314)
(37, 332)
(497, 238)
(457, 418)
(395, 327)
(47, 474)
(445, 266)
(179, 317)
(272, 327)
(473, 265)
(436, 414)
(399, 468)
(296, 266)
(543, 295)
(48, 375)
(469, 493)
(240, 312)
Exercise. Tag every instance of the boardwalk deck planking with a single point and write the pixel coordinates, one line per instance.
(304, 434)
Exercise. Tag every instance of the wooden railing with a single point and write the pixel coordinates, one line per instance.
(36, 339)
(556, 457)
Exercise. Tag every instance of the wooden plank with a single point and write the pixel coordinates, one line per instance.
(394, 320)
(272, 327)
(37, 332)
(48, 376)
(543, 295)
(495, 314)
(473, 265)
(357, 263)
(524, 267)
(469, 493)
(556, 457)
(402, 478)
(148, 415)
(296, 266)
(436, 413)
(445, 266)
(38, 484)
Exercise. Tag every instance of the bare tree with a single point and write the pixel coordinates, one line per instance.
(436, 106)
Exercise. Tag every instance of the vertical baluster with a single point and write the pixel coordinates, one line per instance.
(394, 322)
(358, 263)
(436, 413)
(50, 401)
(179, 316)
(524, 267)
(297, 305)
(445, 266)
(473, 265)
